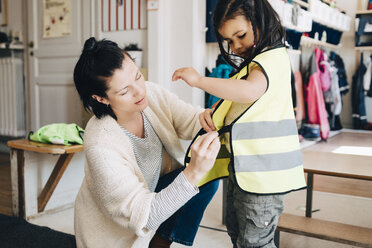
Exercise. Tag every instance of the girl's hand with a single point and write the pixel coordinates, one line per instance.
(203, 155)
(206, 122)
(187, 74)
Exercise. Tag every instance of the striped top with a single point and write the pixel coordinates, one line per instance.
(148, 153)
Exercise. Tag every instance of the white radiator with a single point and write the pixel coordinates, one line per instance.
(12, 98)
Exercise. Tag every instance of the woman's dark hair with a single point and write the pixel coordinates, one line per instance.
(262, 17)
(96, 64)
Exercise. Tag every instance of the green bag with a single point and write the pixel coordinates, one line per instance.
(58, 133)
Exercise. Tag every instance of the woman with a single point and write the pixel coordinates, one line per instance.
(133, 181)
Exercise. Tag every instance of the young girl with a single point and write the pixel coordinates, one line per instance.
(134, 185)
(261, 153)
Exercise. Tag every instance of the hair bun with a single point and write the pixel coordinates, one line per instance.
(89, 44)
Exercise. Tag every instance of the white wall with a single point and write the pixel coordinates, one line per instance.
(158, 43)
(176, 38)
(187, 45)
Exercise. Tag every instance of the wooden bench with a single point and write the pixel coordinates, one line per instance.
(321, 159)
(18, 147)
(322, 229)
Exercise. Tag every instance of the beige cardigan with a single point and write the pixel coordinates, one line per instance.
(113, 204)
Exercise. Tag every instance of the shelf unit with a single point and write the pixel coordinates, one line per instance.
(320, 19)
(358, 15)
(307, 41)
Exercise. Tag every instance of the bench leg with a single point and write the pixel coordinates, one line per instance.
(21, 183)
(277, 238)
(53, 180)
(309, 194)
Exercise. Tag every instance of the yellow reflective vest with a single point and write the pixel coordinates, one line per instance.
(265, 151)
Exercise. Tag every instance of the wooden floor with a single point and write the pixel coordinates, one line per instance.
(5, 186)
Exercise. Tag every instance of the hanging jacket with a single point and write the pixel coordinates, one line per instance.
(357, 97)
(316, 111)
(333, 101)
(324, 74)
(341, 72)
(265, 151)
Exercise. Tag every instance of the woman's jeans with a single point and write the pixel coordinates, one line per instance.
(182, 226)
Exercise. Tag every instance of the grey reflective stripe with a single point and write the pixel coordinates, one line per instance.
(268, 162)
(264, 129)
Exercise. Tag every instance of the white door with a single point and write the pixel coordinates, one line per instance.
(53, 98)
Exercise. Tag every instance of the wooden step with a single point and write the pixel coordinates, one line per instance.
(327, 230)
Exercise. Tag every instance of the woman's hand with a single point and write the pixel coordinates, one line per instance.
(206, 121)
(203, 155)
(187, 74)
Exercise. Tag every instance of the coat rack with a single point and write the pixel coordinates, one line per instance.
(311, 42)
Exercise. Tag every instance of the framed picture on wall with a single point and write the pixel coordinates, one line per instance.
(3, 12)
